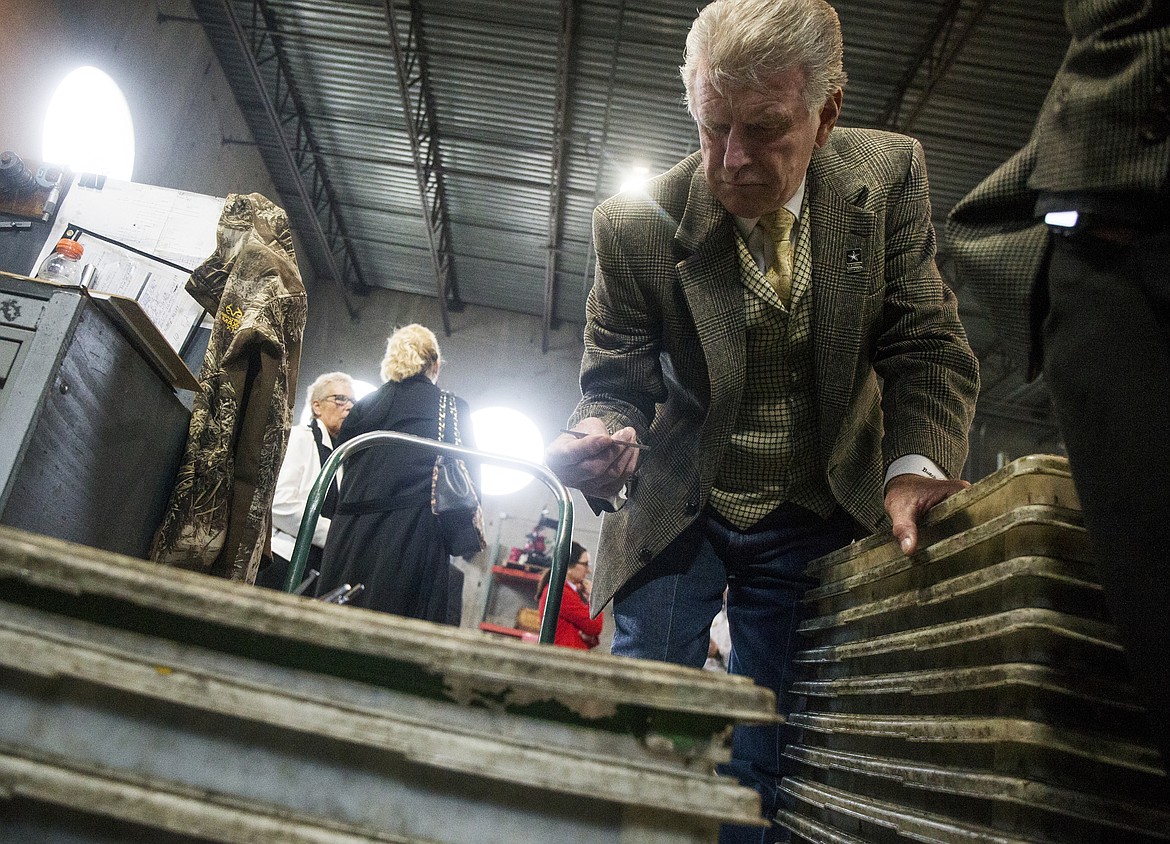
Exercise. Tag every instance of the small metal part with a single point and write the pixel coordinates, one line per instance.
(48, 176)
(50, 206)
(14, 176)
(332, 595)
(582, 434)
(351, 594)
(307, 582)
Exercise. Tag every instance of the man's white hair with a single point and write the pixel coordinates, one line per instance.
(740, 43)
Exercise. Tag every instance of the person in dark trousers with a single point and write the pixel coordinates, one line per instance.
(768, 318)
(1068, 245)
(383, 534)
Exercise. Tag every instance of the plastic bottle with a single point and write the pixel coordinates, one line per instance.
(63, 266)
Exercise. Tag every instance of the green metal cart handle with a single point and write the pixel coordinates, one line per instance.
(560, 556)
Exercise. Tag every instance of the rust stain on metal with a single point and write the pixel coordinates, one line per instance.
(502, 697)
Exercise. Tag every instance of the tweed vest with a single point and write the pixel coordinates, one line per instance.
(774, 453)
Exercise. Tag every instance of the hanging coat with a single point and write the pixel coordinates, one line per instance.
(218, 519)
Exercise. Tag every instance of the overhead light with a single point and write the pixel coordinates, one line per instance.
(361, 389)
(636, 178)
(509, 433)
(88, 127)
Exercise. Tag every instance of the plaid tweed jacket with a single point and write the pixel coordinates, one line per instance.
(1104, 129)
(665, 339)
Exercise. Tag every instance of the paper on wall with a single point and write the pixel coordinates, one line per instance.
(176, 226)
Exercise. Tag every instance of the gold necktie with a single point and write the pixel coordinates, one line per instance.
(778, 225)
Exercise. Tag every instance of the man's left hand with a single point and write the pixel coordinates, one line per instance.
(908, 498)
(597, 464)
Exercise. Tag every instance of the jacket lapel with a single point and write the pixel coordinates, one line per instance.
(846, 266)
(709, 277)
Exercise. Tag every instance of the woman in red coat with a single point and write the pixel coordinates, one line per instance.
(575, 629)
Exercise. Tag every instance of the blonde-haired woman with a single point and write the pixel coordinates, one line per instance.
(384, 535)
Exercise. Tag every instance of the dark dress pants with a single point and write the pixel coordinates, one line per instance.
(1107, 361)
(665, 614)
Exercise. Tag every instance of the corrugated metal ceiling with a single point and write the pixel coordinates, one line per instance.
(496, 99)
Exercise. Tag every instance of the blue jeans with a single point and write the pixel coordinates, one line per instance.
(665, 613)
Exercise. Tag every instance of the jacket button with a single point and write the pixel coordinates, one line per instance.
(692, 508)
(645, 556)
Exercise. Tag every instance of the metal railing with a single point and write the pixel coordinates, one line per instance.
(560, 555)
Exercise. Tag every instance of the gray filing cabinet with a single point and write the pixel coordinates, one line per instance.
(90, 433)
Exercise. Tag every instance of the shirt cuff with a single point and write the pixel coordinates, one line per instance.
(914, 464)
(612, 505)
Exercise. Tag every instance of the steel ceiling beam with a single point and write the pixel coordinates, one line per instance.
(302, 159)
(944, 41)
(603, 146)
(418, 107)
(556, 193)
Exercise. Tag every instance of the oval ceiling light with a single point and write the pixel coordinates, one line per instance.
(507, 432)
(361, 389)
(636, 178)
(88, 127)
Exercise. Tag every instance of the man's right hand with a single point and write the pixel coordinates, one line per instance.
(595, 463)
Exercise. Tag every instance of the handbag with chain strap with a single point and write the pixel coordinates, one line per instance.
(454, 499)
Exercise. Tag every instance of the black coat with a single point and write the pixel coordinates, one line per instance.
(384, 534)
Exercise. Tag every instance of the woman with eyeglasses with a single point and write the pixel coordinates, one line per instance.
(575, 628)
(309, 446)
(384, 535)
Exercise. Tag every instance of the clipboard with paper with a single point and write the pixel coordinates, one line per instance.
(141, 242)
(157, 285)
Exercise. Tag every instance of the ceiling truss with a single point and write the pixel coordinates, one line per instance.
(556, 175)
(410, 64)
(941, 47)
(260, 46)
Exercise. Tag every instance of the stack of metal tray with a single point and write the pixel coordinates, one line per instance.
(976, 691)
(141, 703)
